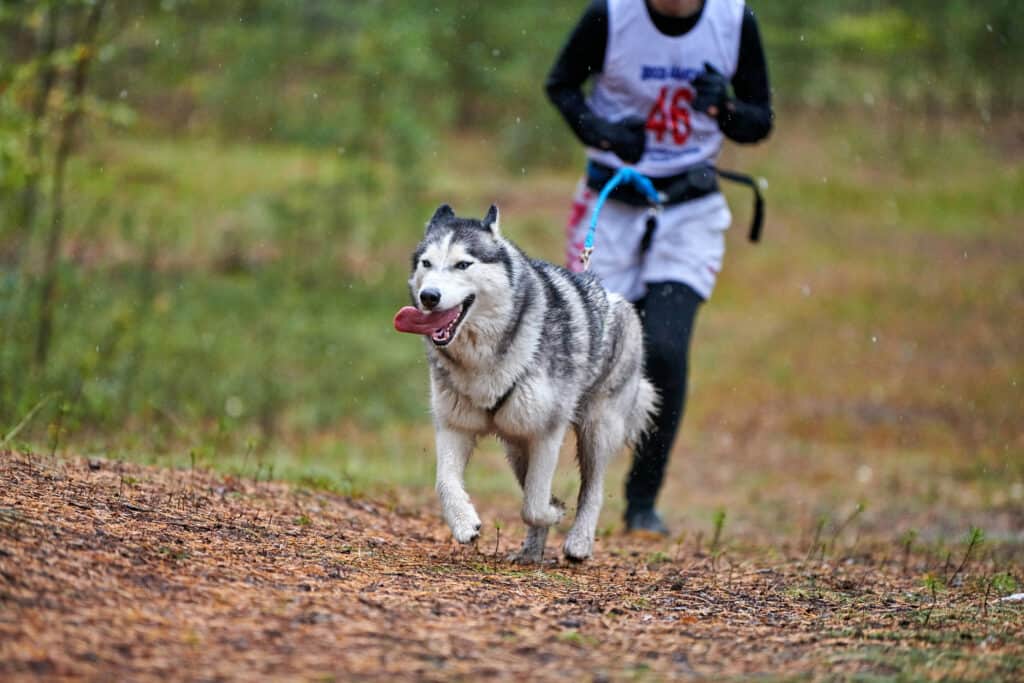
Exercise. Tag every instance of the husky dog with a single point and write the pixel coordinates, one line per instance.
(522, 349)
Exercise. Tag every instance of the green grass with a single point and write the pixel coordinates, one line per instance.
(895, 663)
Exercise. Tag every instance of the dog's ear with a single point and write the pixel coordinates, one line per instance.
(442, 215)
(490, 221)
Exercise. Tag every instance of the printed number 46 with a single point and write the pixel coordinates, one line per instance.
(671, 113)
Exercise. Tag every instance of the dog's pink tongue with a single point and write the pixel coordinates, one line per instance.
(411, 319)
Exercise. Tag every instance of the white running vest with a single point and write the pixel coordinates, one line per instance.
(648, 74)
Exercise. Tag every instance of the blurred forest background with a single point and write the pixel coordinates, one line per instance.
(207, 209)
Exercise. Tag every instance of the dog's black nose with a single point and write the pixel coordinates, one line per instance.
(430, 297)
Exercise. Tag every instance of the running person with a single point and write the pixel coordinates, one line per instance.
(660, 102)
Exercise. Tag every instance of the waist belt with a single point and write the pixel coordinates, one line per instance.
(693, 183)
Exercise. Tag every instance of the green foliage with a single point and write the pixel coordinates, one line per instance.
(13, 125)
(883, 34)
(924, 56)
(1004, 583)
(718, 524)
(933, 583)
(242, 348)
(380, 79)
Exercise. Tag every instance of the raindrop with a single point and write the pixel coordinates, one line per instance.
(234, 407)
(874, 339)
(123, 94)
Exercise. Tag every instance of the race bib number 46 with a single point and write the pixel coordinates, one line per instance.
(671, 114)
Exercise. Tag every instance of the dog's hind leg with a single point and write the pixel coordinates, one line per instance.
(596, 444)
(453, 451)
(532, 550)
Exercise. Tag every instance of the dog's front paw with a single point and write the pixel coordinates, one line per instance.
(578, 546)
(544, 515)
(465, 526)
(466, 533)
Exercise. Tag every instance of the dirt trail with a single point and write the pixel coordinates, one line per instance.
(112, 571)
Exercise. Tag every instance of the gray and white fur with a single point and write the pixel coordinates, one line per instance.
(535, 349)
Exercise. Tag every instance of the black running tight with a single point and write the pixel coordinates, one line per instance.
(668, 312)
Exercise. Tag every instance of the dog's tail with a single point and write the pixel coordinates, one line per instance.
(643, 404)
(644, 408)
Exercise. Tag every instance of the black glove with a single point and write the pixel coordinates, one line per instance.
(627, 138)
(712, 92)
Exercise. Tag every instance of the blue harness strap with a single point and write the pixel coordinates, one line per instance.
(623, 175)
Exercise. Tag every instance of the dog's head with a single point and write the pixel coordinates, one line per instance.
(460, 267)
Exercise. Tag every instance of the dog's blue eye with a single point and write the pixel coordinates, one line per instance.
(462, 265)
(425, 263)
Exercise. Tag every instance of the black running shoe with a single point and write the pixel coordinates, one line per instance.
(645, 521)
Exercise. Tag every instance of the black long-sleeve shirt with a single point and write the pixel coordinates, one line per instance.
(748, 118)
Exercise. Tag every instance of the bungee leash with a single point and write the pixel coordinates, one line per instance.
(623, 175)
(658, 200)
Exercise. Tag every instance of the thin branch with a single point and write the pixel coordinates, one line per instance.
(16, 429)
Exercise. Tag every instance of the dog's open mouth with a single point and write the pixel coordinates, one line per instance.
(440, 326)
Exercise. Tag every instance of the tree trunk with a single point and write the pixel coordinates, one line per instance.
(47, 77)
(86, 52)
